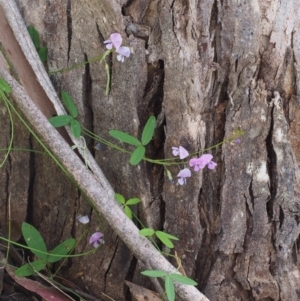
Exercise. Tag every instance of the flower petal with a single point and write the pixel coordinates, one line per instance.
(183, 153)
(212, 165)
(83, 219)
(182, 181)
(120, 58)
(116, 40)
(200, 163)
(205, 159)
(185, 173)
(95, 237)
(175, 151)
(109, 44)
(125, 51)
(194, 162)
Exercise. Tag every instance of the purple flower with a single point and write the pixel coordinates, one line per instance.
(237, 141)
(183, 174)
(83, 219)
(122, 53)
(180, 151)
(211, 165)
(114, 41)
(200, 163)
(96, 239)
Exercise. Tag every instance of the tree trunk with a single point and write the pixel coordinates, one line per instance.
(205, 70)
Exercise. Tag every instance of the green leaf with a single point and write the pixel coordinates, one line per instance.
(34, 241)
(69, 103)
(128, 212)
(119, 198)
(183, 279)
(170, 290)
(4, 86)
(133, 201)
(75, 128)
(148, 130)
(62, 249)
(61, 120)
(25, 270)
(35, 37)
(168, 235)
(43, 54)
(29, 269)
(146, 232)
(124, 137)
(154, 273)
(165, 238)
(167, 242)
(137, 155)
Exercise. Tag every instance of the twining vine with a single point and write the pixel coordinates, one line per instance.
(135, 148)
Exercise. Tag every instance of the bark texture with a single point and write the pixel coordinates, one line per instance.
(204, 69)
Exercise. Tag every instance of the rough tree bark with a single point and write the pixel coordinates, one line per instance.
(204, 69)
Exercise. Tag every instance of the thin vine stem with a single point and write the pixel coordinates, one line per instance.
(12, 128)
(99, 58)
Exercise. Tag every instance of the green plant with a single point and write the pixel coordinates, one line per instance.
(125, 204)
(6, 89)
(169, 278)
(147, 134)
(33, 238)
(63, 120)
(164, 237)
(57, 252)
(36, 243)
(35, 36)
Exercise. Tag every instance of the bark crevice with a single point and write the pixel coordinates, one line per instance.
(69, 27)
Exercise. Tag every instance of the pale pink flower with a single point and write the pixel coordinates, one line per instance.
(211, 165)
(96, 239)
(122, 53)
(114, 41)
(200, 163)
(180, 151)
(183, 174)
(83, 219)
